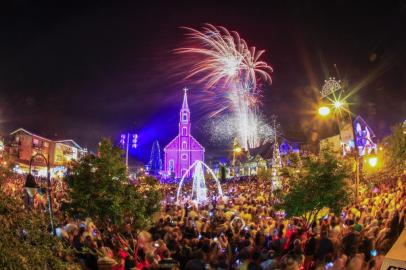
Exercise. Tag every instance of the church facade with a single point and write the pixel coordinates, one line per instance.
(184, 149)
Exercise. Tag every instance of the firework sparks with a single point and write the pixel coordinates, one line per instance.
(221, 130)
(226, 58)
(228, 63)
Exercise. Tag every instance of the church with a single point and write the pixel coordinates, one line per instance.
(184, 149)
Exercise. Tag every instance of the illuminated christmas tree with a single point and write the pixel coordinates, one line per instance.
(155, 161)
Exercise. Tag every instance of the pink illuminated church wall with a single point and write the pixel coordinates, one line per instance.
(184, 149)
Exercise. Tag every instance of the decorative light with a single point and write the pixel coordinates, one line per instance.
(122, 140)
(324, 110)
(134, 140)
(373, 161)
(330, 86)
(237, 150)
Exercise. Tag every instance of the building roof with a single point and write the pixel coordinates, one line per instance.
(29, 133)
(167, 147)
(68, 142)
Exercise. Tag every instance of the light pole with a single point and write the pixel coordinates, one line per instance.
(30, 185)
(329, 89)
(125, 143)
(236, 151)
(324, 111)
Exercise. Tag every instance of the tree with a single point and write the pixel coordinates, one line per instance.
(99, 188)
(395, 149)
(319, 184)
(290, 172)
(6, 168)
(25, 242)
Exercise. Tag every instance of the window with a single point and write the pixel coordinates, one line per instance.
(184, 145)
(171, 165)
(184, 131)
(184, 117)
(36, 142)
(46, 144)
(184, 157)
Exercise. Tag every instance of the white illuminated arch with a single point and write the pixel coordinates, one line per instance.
(219, 190)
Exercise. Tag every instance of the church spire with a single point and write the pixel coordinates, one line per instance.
(185, 105)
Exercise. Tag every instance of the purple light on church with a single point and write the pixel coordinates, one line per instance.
(184, 149)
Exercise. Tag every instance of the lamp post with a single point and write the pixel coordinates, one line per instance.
(236, 151)
(324, 110)
(329, 88)
(30, 185)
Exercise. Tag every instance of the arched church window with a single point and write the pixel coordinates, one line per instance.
(184, 145)
(184, 117)
(171, 162)
(184, 131)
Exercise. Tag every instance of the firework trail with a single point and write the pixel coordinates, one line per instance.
(227, 64)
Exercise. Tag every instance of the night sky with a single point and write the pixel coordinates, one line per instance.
(98, 69)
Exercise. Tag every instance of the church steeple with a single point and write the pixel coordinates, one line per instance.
(184, 121)
(185, 105)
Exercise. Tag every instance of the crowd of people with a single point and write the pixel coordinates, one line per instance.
(243, 231)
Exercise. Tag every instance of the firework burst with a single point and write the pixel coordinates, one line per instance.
(226, 58)
(228, 65)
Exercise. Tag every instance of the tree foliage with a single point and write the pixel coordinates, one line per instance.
(395, 149)
(6, 168)
(319, 183)
(292, 168)
(99, 188)
(25, 242)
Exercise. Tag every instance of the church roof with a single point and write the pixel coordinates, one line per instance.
(174, 145)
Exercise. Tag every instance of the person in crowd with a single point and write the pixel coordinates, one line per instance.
(243, 231)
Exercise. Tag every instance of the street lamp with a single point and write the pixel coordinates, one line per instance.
(31, 186)
(372, 160)
(337, 104)
(324, 110)
(330, 87)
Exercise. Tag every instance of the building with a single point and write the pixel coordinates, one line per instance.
(184, 149)
(22, 145)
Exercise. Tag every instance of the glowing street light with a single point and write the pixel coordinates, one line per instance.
(337, 104)
(324, 110)
(373, 161)
(237, 150)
